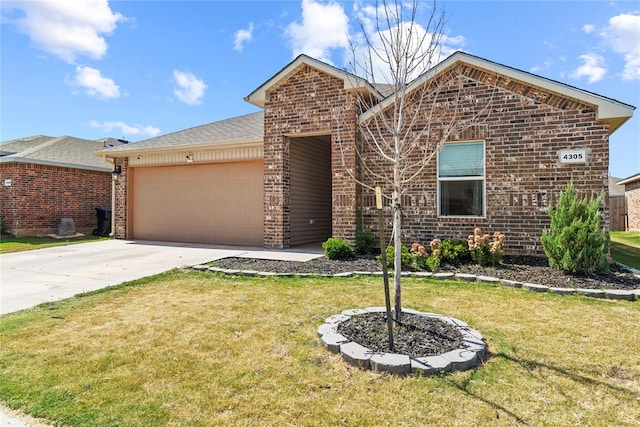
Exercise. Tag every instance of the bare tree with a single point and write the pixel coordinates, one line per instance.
(401, 135)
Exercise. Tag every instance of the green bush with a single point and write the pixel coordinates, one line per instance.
(576, 244)
(337, 248)
(454, 251)
(366, 242)
(407, 260)
(3, 227)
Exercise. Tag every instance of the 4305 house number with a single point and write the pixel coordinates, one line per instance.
(576, 155)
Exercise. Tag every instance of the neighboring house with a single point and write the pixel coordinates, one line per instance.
(278, 178)
(632, 197)
(44, 179)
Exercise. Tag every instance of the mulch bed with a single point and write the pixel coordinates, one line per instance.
(414, 336)
(521, 269)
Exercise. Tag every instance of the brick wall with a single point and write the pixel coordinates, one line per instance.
(121, 229)
(632, 194)
(39, 196)
(308, 102)
(523, 129)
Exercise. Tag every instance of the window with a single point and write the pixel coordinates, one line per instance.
(461, 179)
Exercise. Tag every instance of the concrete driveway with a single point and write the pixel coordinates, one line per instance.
(51, 274)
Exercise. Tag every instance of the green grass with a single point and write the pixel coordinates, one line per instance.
(198, 349)
(19, 244)
(625, 248)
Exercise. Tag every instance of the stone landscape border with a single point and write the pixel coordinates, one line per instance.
(613, 294)
(471, 352)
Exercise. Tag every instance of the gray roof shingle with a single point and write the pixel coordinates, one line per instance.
(242, 128)
(64, 151)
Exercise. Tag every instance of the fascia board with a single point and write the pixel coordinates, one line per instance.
(56, 164)
(178, 148)
(629, 180)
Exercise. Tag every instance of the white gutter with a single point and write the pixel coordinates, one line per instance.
(112, 163)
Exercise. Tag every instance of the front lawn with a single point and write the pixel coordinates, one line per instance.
(625, 248)
(19, 244)
(198, 349)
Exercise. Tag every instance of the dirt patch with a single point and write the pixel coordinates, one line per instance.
(521, 269)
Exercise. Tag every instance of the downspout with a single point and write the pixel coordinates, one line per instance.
(111, 161)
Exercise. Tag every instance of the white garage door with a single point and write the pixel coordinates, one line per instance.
(213, 203)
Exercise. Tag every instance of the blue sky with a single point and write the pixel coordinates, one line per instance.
(137, 69)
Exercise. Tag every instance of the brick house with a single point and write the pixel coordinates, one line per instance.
(632, 199)
(281, 177)
(44, 179)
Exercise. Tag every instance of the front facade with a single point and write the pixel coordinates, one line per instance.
(44, 179)
(301, 165)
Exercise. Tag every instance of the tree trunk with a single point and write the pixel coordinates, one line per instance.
(397, 246)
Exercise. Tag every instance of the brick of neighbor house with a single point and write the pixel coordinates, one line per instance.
(632, 201)
(40, 195)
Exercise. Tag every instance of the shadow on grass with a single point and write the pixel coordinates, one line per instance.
(531, 366)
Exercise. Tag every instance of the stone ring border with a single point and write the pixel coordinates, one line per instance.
(614, 294)
(471, 352)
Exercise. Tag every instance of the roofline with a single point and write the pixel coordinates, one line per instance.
(186, 147)
(629, 180)
(9, 159)
(351, 81)
(608, 108)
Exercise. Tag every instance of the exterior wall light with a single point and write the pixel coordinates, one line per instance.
(117, 170)
(189, 158)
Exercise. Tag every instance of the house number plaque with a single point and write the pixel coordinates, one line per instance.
(577, 155)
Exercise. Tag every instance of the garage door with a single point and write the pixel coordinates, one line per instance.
(214, 203)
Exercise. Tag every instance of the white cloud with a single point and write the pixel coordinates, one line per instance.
(125, 129)
(67, 29)
(323, 27)
(546, 65)
(190, 89)
(243, 36)
(593, 68)
(430, 44)
(588, 28)
(622, 34)
(94, 83)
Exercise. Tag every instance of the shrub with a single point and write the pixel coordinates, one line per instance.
(335, 248)
(454, 251)
(407, 260)
(366, 242)
(484, 250)
(576, 244)
(3, 227)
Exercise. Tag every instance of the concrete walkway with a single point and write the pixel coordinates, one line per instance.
(45, 275)
(33, 277)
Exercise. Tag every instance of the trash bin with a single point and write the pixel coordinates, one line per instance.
(104, 221)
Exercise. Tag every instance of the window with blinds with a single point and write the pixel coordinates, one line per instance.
(461, 179)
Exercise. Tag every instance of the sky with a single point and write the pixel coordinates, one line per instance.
(137, 69)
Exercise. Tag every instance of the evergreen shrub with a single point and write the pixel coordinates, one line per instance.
(576, 242)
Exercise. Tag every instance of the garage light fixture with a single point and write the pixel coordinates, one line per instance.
(189, 158)
(117, 170)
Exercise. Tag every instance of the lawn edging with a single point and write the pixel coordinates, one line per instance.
(612, 294)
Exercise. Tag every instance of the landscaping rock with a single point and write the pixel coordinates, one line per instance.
(355, 354)
(398, 364)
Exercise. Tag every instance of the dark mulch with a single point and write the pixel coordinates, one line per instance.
(521, 269)
(414, 336)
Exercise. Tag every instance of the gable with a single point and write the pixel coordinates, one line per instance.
(349, 81)
(536, 88)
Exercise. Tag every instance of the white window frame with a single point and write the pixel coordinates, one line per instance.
(464, 178)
